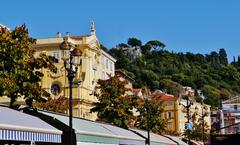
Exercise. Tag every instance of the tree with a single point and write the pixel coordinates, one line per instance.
(223, 57)
(156, 44)
(114, 105)
(19, 70)
(169, 71)
(171, 87)
(60, 104)
(122, 45)
(134, 42)
(214, 56)
(153, 106)
(123, 62)
(146, 49)
(200, 128)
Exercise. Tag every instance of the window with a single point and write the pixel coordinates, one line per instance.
(57, 56)
(169, 125)
(111, 66)
(95, 63)
(55, 89)
(102, 60)
(169, 115)
(169, 103)
(106, 64)
(235, 107)
(103, 75)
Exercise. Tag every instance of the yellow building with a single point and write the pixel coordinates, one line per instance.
(95, 64)
(175, 114)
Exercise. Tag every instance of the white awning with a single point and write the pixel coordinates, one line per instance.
(16, 135)
(18, 126)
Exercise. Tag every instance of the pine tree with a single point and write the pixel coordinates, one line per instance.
(223, 57)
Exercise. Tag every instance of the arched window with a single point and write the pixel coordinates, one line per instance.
(55, 89)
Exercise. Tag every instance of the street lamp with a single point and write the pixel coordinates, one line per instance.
(146, 94)
(71, 65)
(187, 106)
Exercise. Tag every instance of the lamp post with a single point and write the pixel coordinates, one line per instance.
(187, 106)
(71, 68)
(146, 94)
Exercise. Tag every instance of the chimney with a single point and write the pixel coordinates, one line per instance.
(59, 35)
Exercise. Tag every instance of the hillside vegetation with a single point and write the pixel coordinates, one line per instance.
(160, 69)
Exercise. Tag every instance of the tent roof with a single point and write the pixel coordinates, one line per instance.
(176, 139)
(155, 137)
(90, 128)
(18, 126)
(13, 119)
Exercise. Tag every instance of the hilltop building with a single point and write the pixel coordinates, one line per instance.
(132, 52)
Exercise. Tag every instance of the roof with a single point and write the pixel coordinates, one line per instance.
(167, 97)
(89, 131)
(163, 96)
(79, 37)
(155, 138)
(176, 139)
(13, 119)
(18, 126)
(235, 99)
(120, 72)
(108, 55)
(3, 26)
(125, 134)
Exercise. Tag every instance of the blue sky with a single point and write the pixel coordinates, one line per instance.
(198, 26)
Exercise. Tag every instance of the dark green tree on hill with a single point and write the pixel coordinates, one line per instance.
(134, 42)
(223, 57)
(210, 73)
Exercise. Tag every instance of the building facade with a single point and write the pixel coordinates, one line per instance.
(95, 64)
(175, 113)
(227, 116)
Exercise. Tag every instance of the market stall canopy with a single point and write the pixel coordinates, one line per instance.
(18, 126)
(125, 136)
(176, 139)
(92, 133)
(155, 139)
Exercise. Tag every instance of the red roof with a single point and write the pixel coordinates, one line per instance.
(167, 97)
(164, 96)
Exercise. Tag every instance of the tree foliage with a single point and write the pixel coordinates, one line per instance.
(114, 105)
(60, 105)
(223, 56)
(156, 44)
(152, 105)
(19, 70)
(161, 69)
(134, 42)
(200, 129)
